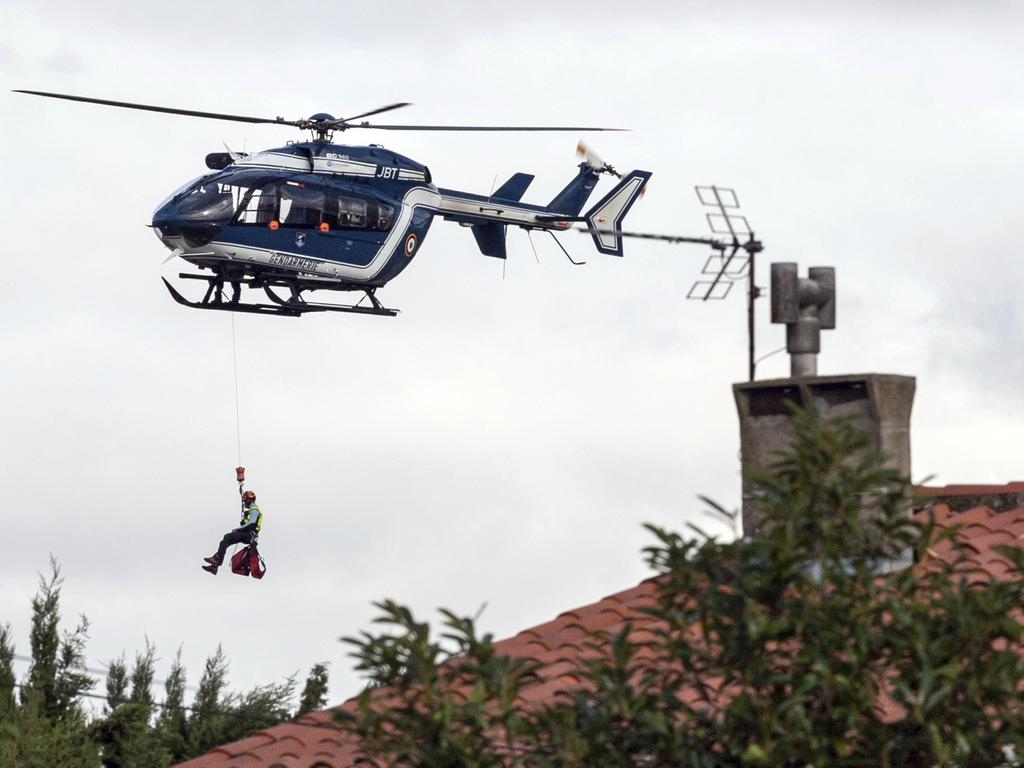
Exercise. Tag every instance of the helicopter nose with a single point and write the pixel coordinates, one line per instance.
(177, 231)
(166, 223)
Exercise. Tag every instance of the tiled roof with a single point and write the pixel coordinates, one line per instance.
(959, 498)
(312, 742)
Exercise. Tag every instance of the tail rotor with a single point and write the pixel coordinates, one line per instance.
(587, 154)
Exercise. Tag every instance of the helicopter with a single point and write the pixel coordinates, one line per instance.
(318, 216)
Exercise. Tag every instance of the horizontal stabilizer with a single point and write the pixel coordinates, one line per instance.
(490, 238)
(513, 190)
(604, 220)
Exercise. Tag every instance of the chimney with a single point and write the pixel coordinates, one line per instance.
(878, 404)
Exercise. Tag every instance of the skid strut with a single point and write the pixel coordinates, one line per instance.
(293, 306)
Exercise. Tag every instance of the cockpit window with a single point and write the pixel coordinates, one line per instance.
(216, 198)
(258, 205)
(301, 206)
(253, 199)
(360, 213)
(207, 203)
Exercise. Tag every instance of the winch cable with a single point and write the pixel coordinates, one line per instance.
(240, 472)
(234, 360)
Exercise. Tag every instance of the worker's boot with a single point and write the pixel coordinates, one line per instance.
(211, 568)
(214, 560)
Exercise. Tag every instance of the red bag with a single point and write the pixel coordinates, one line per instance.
(240, 562)
(256, 565)
(247, 562)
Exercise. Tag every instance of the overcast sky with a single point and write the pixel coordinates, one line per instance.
(503, 439)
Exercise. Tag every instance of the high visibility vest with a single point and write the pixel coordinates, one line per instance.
(253, 515)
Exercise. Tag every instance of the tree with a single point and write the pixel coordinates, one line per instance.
(258, 708)
(142, 677)
(171, 724)
(206, 726)
(8, 703)
(117, 683)
(798, 648)
(125, 736)
(49, 724)
(450, 702)
(218, 717)
(314, 693)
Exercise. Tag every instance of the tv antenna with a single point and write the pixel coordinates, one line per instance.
(734, 249)
(727, 265)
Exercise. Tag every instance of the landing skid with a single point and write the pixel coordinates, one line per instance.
(294, 306)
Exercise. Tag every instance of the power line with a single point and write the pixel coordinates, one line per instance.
(104, 672)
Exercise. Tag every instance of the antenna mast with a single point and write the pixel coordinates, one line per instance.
(727, 265)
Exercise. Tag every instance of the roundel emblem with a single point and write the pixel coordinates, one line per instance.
(410, 245)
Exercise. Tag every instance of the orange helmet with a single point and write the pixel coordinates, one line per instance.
(248, 496)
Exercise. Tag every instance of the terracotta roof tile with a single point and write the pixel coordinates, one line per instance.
(974, 516)
(313, 742)
(1014, 519)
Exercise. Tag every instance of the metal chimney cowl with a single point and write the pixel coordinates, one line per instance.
(878, 404)
(807, 306)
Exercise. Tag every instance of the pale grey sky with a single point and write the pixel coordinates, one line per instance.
(505, 437)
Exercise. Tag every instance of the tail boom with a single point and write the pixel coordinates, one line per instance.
(489, 217)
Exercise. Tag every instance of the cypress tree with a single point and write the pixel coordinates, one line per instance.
(314, 694)
(171, 725)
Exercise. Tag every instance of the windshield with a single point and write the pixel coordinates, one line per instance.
(216, 197)
(179, 190)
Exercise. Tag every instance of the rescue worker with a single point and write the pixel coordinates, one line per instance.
(246, 533)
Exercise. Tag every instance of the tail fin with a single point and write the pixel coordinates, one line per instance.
(490, 239)
(570, 201)
(604, 220)
(513, 189)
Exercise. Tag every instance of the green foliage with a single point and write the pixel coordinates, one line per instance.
(125, 735)
(117, 683)
(171, 724)
(802, 647)
(259, 708)
(8, 705)
(314, 693)
(45, 637)
(206, 726)
(142, 677)
(452, 701)
(41, 742)
(49, 726)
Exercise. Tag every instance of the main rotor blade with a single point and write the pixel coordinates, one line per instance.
(167, 110)
(388, 108)
(479, 127)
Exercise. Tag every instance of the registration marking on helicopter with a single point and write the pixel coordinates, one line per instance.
(294, 262)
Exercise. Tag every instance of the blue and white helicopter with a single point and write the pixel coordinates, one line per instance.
(317, 216)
